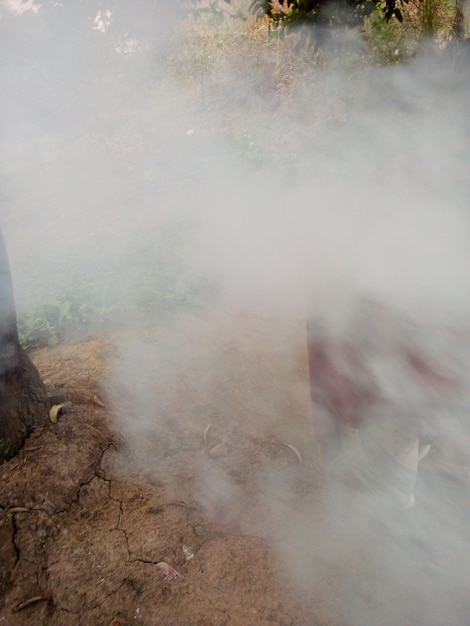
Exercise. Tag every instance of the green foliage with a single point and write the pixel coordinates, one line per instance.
(435, 16)
(82, 306)
(388, 42)
(428, 17)
(41, 324)
(324, 12)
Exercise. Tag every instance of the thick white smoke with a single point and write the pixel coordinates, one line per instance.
(110, 166)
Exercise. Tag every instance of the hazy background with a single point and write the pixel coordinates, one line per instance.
(144, 177)
(266, 199)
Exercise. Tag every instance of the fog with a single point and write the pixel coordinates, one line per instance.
(189, 199)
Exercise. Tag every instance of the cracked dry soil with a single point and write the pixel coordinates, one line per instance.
(104, 500)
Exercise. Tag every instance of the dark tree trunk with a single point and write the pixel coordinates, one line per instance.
(23, 400)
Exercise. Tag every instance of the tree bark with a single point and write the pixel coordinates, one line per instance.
(23, 400)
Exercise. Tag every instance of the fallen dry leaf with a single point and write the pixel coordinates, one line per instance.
(206, 431)
(54, 412)
(220, 450)
(168, 571)
(97, 401)
(294, 450)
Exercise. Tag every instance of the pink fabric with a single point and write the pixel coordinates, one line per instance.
(341, 385)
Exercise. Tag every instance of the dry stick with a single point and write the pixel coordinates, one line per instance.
(182, 504)
(26, 603)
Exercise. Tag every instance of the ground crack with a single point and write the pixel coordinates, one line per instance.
(147, 561)
(75, 500)
(118, 525)
(99, 473)
(109, 594)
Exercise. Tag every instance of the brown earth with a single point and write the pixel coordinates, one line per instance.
(190, 449)
(102, 508)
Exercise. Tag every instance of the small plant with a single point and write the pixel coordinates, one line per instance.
(45, 322)
(40, 324)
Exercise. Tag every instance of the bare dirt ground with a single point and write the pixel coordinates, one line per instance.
(192, 453)
(109, 492)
